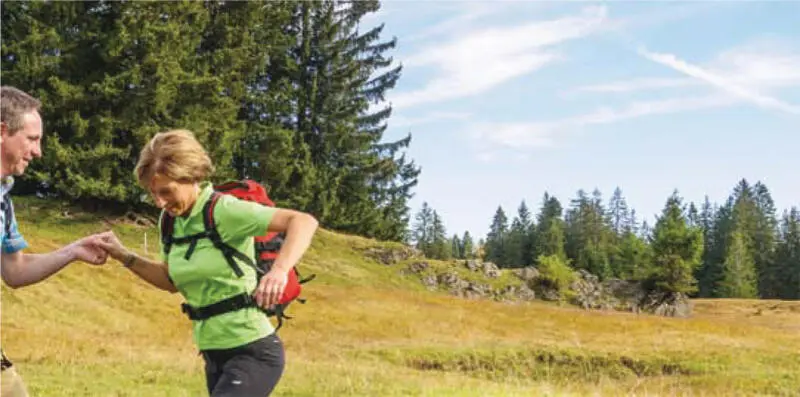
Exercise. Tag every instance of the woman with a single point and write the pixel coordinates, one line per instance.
(242, 353)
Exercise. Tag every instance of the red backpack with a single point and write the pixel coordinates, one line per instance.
(266, 250)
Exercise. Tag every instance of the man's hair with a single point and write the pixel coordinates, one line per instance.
(14, 103)
(175, 154)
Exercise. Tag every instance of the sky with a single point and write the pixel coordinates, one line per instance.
(505, 100)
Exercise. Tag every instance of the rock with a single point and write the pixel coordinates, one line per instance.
(475, 291)
(452, 281)
(526, 274)
(669, 304)
(549, 294)
(491, 270)
(589, 292)
(418, 267)
(473, 265)
(390, 256)
(515, 293)
(627, 293)
(430, 281)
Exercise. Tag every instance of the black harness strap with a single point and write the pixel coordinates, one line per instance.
(271, 246)
(5, 363)
(8, 213)
(212, 234)
(236, 302)
(167, 225)
(233, 303)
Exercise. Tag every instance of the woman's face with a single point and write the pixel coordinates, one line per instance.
(177, 198)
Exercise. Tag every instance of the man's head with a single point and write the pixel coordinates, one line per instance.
(21, 130)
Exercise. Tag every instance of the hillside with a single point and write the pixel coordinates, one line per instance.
(369, 329)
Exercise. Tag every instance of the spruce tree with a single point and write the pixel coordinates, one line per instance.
(677, 249)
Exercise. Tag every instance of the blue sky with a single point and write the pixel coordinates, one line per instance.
(508, 99)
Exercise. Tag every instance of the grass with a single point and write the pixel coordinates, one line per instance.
(368, 329)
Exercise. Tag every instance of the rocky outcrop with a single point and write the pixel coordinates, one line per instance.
(488, 269)
(623, 295)
(586, 291)
(391, 256)
(450, 280)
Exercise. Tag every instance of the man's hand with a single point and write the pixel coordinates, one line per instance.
(88, 249)
(270, 288)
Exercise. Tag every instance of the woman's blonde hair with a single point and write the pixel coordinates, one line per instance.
(175, 154)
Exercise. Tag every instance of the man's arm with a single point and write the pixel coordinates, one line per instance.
(20, 269)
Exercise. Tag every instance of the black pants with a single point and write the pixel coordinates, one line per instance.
(251, 370)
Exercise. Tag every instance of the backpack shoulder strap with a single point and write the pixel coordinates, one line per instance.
(167, 226)
(211, 231)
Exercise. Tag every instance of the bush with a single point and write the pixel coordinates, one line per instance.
(555, 275)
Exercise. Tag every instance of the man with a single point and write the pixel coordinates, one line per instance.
(20, 142)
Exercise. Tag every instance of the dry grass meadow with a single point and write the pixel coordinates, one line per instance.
(369, 331)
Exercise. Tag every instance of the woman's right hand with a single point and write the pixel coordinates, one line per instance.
(111, 244)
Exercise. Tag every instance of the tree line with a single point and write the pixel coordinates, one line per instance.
(742, 248)
(290, 94)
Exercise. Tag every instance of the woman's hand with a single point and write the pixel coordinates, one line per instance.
(111, 244)
(271, 287)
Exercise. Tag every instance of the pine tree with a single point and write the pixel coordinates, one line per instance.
(739, 275)
(525, 236)
(765, 241)
(633, 260)
(677, 249)
(787, 255)
(456, 250)
(496, 239)
(618, 212)
(704, 276)
(693, 216)
(422, 235)
(715, 257)
(551, 209)
(468, 246)
(440, 247)
(518, 248)
(551, 241)
(589, 235)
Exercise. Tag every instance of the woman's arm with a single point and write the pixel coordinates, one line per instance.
(154, 272)
(299, 228)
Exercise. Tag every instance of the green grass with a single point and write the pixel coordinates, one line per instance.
(368, 329)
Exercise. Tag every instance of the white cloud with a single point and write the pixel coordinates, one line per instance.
(760, 66)
(515, 135)
(722, 82)
(639, 85)
(545, 134)
(485, 58)
(648, 108)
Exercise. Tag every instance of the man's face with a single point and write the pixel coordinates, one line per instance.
(20, 148)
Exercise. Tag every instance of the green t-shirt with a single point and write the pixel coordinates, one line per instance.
(207, 277)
